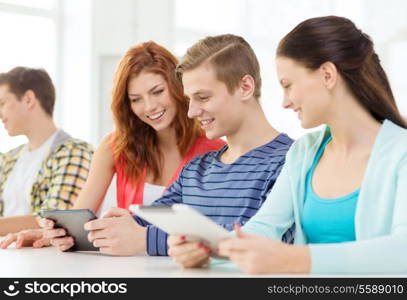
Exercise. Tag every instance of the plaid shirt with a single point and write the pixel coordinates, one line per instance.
(61, 177)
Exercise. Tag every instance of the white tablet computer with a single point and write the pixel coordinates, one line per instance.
(181, 219)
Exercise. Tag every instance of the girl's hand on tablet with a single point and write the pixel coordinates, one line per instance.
(186, 253)
(57, 236)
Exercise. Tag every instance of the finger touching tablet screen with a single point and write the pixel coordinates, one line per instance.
(72, 220)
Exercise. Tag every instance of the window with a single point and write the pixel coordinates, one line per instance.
(28, 30)
(43, 4)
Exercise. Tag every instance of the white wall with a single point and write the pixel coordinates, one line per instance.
(74, 104)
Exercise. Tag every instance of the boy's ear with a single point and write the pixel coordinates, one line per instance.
(246, 87)
(29, 99)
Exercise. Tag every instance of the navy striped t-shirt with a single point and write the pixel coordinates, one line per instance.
(226, 193)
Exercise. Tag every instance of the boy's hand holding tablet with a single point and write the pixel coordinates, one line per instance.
(193, 236)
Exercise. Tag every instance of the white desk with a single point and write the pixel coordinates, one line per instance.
(49, 262)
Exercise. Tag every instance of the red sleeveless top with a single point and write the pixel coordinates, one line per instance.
(129, 193)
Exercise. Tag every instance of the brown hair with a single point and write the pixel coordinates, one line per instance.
(134, 142)
(230, 56)
(337, 40)
(22, 79)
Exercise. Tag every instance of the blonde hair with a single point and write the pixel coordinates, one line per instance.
(230, 56)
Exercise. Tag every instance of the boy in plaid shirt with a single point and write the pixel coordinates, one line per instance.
(49, 171)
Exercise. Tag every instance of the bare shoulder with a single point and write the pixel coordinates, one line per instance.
(104, 149)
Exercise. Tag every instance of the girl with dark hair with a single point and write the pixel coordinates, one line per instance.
(343, 187)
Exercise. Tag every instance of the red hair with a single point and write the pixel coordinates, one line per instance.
(134, 142)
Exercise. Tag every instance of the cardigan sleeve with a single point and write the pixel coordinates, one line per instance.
(384, 254)
(276, 215)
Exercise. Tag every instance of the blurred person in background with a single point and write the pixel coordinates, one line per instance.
(51, 169)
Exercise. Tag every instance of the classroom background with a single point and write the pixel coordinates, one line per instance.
(79, 42)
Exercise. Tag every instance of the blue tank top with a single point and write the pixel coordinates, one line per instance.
(327, 220)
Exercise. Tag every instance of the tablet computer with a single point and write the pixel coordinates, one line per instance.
(72, 220)
(181, 219)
